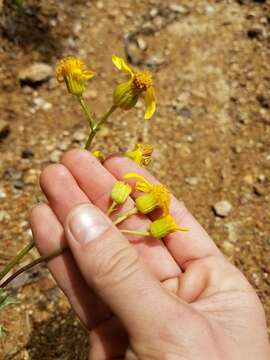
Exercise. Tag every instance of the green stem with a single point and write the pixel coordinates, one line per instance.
(111, 208)
(44, 258)
(124, 216)
(135, 232)
(89, 114)
(97, 126)
(16, 259)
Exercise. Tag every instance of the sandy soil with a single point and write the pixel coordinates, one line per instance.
(211, 131)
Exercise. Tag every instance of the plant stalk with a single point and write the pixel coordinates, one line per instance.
(135, 232)
(124, 216)
(44, 258)
(89, 114)
(16, 259)
(97, 126)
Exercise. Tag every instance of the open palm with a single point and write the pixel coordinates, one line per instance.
(212, 306)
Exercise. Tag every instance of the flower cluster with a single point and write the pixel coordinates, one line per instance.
(156, 196)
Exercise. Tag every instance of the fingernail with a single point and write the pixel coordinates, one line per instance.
(86, 223)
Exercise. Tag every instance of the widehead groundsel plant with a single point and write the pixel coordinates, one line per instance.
(74, 73)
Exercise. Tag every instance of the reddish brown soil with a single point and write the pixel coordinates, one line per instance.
(211, 132)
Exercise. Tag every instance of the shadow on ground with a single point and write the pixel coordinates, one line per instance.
(61, 337)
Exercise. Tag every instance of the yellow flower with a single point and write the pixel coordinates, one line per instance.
(127, 94)
(157, 195)
(99, 155)
(71, 70)
(141, 154)
(120, 192)
(164, 226)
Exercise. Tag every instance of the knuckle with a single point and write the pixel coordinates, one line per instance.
(52, 171)
(115, 266)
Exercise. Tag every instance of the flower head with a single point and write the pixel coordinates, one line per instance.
(120, 192)
(156, 195)
(164, 226)
(141, 154)
(71, 70)
(127, 94)
(99, 155)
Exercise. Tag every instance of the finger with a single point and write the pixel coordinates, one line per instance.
(113, 268)
(184, 247)
(49, 236)
(96, 182)
(61, 190)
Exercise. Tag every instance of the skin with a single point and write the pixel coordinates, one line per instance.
(144, 298)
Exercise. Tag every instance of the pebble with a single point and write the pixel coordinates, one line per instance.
(4, 129)
(63, 145)
(91, 94)
(222, 208)
(19, 184)
(4, 215)
(55, 155)
(3, 194)
(142, 43)
(232, 228)
(191, 180)
(41, 104)
(228, 248)
(78, 136)
(36, 73)
(178, 8)
(27, 154)
(77, 28)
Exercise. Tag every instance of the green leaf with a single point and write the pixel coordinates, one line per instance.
(6, 299)
(3, 331)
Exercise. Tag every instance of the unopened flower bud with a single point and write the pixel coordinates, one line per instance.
(120, 192)
(164, 226)
(146, 203)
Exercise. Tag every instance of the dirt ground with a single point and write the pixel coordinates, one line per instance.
(211, 132)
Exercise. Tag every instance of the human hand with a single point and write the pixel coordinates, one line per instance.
(142, 298)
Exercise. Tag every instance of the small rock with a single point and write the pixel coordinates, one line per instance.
(178, 8)
(232, 228)
(19, 184)
(153, 12)
(91, 94)
(78, 136)
(3, 194)
(141, 43)
(4, 129)
(100, 5)
(4, 215)
(193, 181)
(222, 208)
(77, 28)
(40, 103)
(55, 155)
(228, 248)
(27, 154)
(248, 179)
(156, 60)
(63, 145)
(36, 73)
(31, 177)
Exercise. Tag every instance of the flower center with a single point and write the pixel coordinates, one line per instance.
(142, 80)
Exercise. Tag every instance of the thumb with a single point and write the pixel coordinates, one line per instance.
(113, 268)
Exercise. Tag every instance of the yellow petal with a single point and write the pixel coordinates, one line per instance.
(87, 75)
(122, 65)
(144, 185)
(150, 103)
